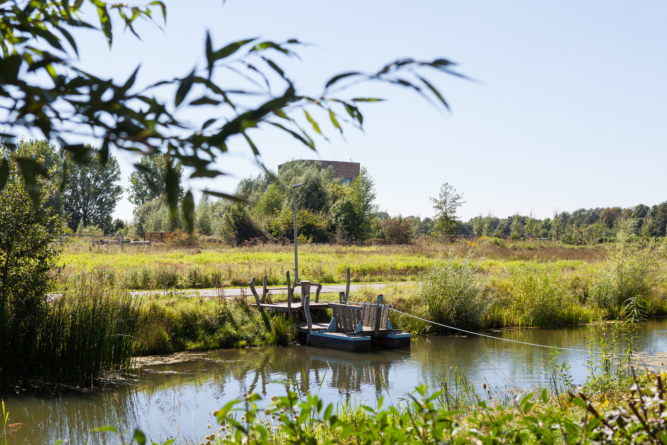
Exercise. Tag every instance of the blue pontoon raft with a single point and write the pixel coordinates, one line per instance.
(354, 327)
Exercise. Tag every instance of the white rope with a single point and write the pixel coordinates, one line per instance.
(510, 340)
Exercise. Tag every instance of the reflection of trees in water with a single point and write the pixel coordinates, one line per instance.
(48, 419)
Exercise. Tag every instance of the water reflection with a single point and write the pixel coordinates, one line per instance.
(162, 399)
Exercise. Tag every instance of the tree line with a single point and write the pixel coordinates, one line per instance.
(88, 190)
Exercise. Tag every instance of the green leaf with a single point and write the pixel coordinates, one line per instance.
(189, 212)
(205, 101)
(209, 54)
(270, 45)
(105, 20)
(204, 173)
(163, 7)
(436, 92)
(172, 188)
(223, 196)
(139, 437)
(335, 79)
(9, 69)
(275, 67)
(184, 88)
(334, 121)
(255, 151)
(367, 99)
(230, 49)
(316, 127)
(308, 143)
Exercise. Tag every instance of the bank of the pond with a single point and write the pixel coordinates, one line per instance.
(173, 323)
(96, 327)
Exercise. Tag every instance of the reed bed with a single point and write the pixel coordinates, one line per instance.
(87, 332)
(171, 323)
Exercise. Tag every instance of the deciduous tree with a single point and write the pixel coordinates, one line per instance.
(445, 206)
(149, 181)
(92, 191)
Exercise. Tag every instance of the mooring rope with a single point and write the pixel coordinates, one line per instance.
(514, 341)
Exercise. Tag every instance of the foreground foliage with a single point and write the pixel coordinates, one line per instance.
(637, 416)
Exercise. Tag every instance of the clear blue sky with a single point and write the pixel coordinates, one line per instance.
(568, 111)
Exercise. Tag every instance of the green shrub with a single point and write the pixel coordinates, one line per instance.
(453, 293)
(239, 226)
(541, 297)
(626, 279)
(312, 226)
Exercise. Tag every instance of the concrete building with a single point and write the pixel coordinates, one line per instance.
(348, 171)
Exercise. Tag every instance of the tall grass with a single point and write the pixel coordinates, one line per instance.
(453, 293)
(627, 281)
(87, 332)
(173, 323)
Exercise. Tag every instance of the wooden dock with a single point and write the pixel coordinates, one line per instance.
(296, 306)
(354, 327)
(290, 305)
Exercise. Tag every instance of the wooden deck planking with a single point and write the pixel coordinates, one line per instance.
(296, 306)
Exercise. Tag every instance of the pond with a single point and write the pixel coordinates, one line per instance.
(178, 399)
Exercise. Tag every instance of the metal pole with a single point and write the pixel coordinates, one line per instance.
(296, 252)
(121, 242)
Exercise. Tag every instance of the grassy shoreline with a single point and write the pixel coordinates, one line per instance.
(469, 286)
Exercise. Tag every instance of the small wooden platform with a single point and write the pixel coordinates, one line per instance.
(296, 307)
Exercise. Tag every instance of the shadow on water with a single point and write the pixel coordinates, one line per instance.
(161, 399)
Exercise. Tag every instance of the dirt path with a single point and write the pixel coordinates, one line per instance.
(235, 292)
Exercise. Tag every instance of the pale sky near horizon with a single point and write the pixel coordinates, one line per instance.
(568, 109)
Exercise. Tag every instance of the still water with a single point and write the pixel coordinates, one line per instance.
(178, 399)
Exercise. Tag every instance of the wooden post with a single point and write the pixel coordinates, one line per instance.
(306, 310)
(122, 242)
(347, 285)
(289, 296)
(378, 316)
(317, 293)
(254, 292)
(305, 289)
(341, 296)
(264, 290)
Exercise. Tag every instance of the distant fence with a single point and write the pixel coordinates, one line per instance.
(158, 237)
(102, 240)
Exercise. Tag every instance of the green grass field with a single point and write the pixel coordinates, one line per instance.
(163, 266)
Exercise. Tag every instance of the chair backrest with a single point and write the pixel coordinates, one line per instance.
(370, 312)
(347, 316)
